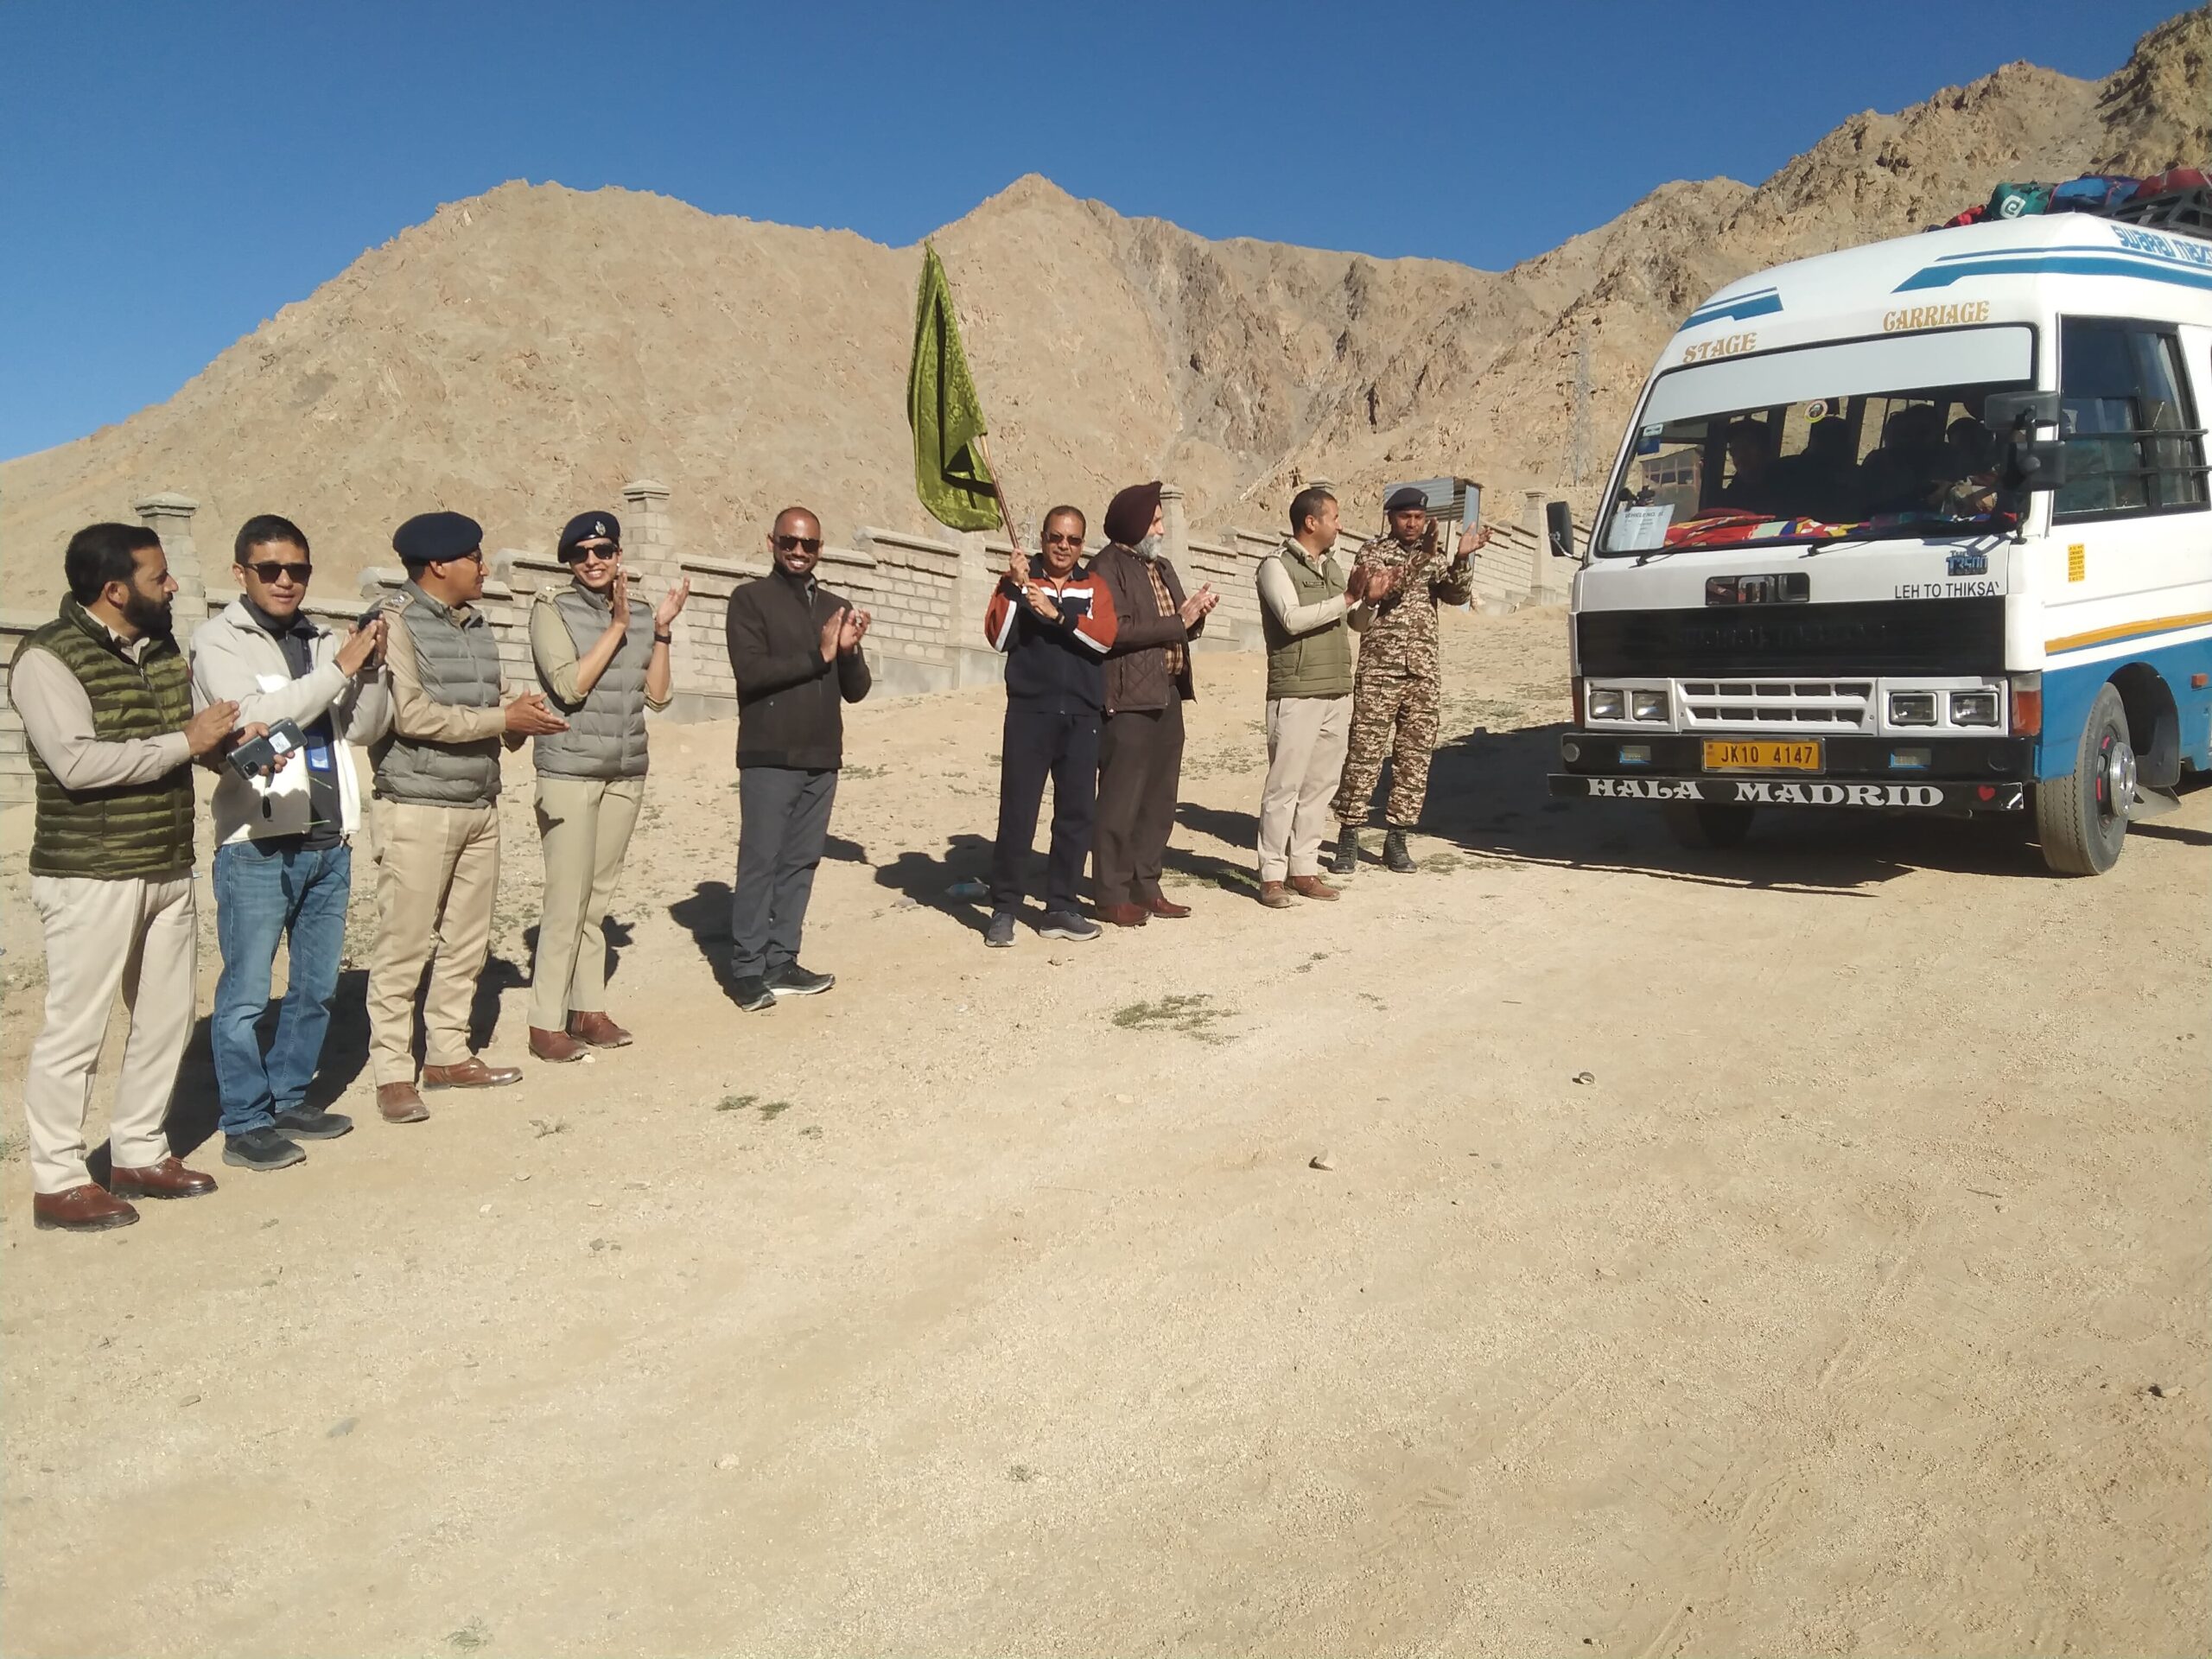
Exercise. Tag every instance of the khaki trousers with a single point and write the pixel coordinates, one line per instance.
(584, 825)
(141, 937)
(1306, 758)
(438, 877)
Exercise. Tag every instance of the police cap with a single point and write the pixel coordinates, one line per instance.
(434, 538)
(592, 527)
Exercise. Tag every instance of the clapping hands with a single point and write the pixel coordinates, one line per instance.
(362, 648)
(1195, 609)
(531, 716)
(1371, 584)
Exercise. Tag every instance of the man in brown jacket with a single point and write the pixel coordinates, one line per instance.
(1147, 682)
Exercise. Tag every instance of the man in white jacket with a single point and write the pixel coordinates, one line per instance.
(283, 866)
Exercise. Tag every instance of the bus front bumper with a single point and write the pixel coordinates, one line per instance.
(1961, 774)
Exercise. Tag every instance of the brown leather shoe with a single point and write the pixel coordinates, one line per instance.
(1273, 896)
(87, 1209)
(166, 1179)
(1167, 908)
(471, 1073)
(1123, 915)
(554, 1046)
(597, 1030)
(1312, 887)
(399, 1104)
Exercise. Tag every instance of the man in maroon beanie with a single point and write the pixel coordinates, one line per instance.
(1147, 683)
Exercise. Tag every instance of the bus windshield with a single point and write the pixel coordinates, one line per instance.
(1779, 461)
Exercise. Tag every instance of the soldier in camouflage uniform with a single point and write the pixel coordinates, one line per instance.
(1395, 687)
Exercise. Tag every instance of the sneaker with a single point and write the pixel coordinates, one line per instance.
(262, 1149)
(751, 994)
(1067, 924)
(999, 934)
(791, 979)
(302, 1124)
(1345, 860)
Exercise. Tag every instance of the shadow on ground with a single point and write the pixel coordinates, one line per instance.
(1238, 830)
(928, 881)
(195, 1107)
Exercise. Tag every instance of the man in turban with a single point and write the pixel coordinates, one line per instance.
(1147, 683)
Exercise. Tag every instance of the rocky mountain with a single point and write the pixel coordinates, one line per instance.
(523, 353)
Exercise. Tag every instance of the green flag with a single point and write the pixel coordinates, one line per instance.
(950, 474)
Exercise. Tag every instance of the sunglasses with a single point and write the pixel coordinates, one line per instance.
(578, 554)
(785, 544)
(1054, 539)
(269, 570)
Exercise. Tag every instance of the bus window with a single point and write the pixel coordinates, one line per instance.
(2132, 444)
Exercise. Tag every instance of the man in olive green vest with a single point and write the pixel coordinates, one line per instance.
(1307, 612)
(437, 787)
(106, 699)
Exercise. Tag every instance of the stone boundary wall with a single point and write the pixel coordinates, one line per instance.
(926, 593)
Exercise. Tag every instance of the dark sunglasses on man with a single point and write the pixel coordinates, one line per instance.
(270, 571)
(785, 544)
(1061, 538)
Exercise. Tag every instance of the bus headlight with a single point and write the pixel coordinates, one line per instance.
(1973, 708)
(1650, 705)
(1608, 703)
(1913, 708)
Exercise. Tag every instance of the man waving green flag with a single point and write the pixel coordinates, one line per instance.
(952, 475)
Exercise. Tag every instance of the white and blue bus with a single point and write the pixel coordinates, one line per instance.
(1922, 525)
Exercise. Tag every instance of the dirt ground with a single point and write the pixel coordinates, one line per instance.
(1799, 1249)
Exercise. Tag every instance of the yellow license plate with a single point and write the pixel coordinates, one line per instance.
(1763, 757)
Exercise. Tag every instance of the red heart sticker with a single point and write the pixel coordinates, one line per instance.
(1986, 792)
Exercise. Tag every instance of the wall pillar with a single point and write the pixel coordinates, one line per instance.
(1540, 553)
(1176, 527)
(169, 516)
(649, 550)
(648, 539)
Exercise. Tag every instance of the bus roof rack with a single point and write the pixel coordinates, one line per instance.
(2186, 210)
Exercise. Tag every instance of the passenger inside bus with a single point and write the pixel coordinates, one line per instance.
(1749, 489)
(1821, 481)
(1906, 473)
(1970, 471)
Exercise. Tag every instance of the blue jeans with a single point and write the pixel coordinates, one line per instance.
(261, 894)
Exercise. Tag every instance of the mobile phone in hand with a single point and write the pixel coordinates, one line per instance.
(268, 751)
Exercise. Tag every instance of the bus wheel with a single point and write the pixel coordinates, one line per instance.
(2081, 818)
(1706, 826)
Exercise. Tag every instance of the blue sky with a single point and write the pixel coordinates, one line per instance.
(171, 174)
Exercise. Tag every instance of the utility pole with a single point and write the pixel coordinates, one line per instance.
(1578, 461)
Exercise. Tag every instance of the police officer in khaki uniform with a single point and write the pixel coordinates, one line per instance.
(437, 784)
(603, 660)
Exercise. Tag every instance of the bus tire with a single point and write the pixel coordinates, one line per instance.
(1706, 826)
(2081, 818)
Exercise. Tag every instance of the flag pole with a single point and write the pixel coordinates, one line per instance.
(998, 488)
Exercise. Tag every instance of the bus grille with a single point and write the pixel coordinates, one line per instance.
(1793, 642)
(1799, 705)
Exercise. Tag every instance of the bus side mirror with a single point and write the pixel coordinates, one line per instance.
(2031, 466)
(1558, 529)
(2004, 409)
